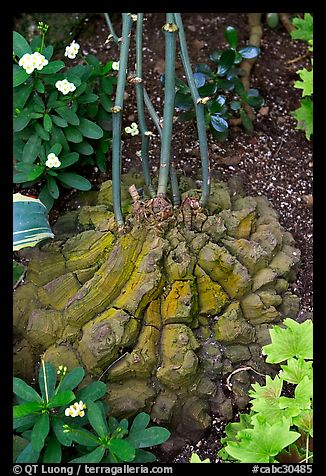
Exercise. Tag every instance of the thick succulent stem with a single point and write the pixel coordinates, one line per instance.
(110, 26)
(199, 109)
(140, 104)
(173, 174)
(169, 94)
(116, 119)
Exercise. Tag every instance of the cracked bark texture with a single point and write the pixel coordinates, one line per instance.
(165, 312)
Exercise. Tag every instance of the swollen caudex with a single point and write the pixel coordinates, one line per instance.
(167, 311)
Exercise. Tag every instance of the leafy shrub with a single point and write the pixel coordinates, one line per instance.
(221, 88)
(74, 125)
(48, 426)
(304, 114)
(278, 428)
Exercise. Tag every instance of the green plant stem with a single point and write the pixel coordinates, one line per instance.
(173, 174)
(116, 119)
(199, 109)
(140, 104)
(110, 26)
(169, 94)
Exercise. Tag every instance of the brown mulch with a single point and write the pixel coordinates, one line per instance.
(275, 161)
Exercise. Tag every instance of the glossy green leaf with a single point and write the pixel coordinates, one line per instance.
(57, 136)
(84, 437)
(90, 129)
(218, 123)
(235, 105)
(25, 391)
(61, 399)
(19, 75)
(93, 457)
(72, 379)
(122, 449)
(58, 121)
(31, 149)
(21, 95)
(45, 197)
(196, 459)
(92, 392)
(41, 132)
(152, 436)
(20, 45)
(246, 121)
(52, 67)
(303, 28)
(142, 456)
(55, 149)
(67, 160)
(52, 453)
(68, 115)
(200, 79)
(215, 56)
(75, 181)
(33, 172)
(62, 437)
(272, 19)
(47, 122)
(88, 98)
(105, 101)
(96, 419)
(20, 122)
(40, 431)
(28, 455)
(24, 423)
(53, 187)
(20, 411)
(304, 117)
(84, 148)
(226, 62)
(295, 370)
(231, 36)
(249, 52)
(73, 134)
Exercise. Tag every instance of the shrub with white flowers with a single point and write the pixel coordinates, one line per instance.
(64, 86)
(33, 61)
(133, 129)
(72, 50)
(52, 161)
(77, 409)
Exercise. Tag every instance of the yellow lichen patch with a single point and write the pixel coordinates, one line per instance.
(211, 296)
(58, 292)
(231, 327)
(180, 305)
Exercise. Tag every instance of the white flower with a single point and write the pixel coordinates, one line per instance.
(65, 86)
(72, 50)
(133, 129)
(52, 161)
(25, 60)
(33, 61)
(115, 65)
(77, 409)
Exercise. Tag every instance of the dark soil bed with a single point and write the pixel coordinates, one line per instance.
(275, 161)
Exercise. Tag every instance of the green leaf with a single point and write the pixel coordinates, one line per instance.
(215, 56)
(18, 272)
(28, 455)
(47, 122)
(88, 98)
(58, 121)
(304, 422)
(20, 45)
(53, 187)
(20, 411)
(272, 19)
(73, 134)
(20, 122)
(226, 62)
(75, 181)
(46, 198)
(261, 443)
(107, 85)
(42, 133)
(84, 148)
(303, 393)
(235, 105)
(249, 52)
(57, 136)
(246, 121)
(84, 437)
(231, 36)
(52, 452)
(142, 456)
(122, 449)
(31, 149)
(33, 172)
(67, 160)
(219, 123)
(91, 392)
(21, 95)
(304, 28)
(48, 52)
(306, 83)
(62, 437)
(24, 423)
(293, 341)
(195, 459)
(93, 457)
(139, 424)
(68, 115)
(96, 419)
(61, 399)
(52, 67)
(24, 391)
(105, 101)
(296, 370)
(50, 378)
(55, 149)
(72, 379)
(19, 75)
(152, 436)
(40, 431)
(90, 129)
(254, 99)
(304, 116)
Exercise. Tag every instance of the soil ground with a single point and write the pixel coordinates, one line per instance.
(275, 161)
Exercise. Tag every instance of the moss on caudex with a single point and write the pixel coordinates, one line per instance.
(163, 312)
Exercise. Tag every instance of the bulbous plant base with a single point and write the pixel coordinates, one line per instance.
(165, 312)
